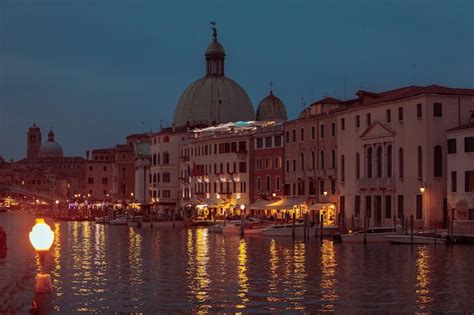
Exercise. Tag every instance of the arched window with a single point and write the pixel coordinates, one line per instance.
(438, 161)
(357, 165)
(313, 160)
(166, 158)
(389, 161)
(277, 183)
(259, 183)
(321, 160)
(268, 188)
(333, 158)
(379, 162)
(400, 163)
(369, 162)
(302, 160)
(343, 168)
(420, 162)
(124, 171)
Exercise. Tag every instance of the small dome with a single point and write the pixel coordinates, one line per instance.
(271, 108)
(50, 148)
(215, 48)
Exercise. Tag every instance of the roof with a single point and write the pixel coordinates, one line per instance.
(463, 127)
(271, 108)
(328, 100)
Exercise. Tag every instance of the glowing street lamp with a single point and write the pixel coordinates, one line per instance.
(274, 195)
(56, 202)
(325, 193)
(41, 238)
(422, 189)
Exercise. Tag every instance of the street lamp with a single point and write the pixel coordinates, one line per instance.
(422, 189)
(41, 238)
(274, 195)
(325, 193)
(56, 202)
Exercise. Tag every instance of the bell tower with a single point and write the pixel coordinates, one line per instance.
(33, 142)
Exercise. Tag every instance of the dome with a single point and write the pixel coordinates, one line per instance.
(213, 100)
(271, 108)
(50, 148)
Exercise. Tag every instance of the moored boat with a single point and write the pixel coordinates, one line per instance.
(417, 239)
(119, 221)
(283, 230)
(372, 235)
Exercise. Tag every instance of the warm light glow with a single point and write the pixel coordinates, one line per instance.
(422, 189)
(132, 194)
(274, 195)
(88, 195)
(37, 201)
(56, 202)
(237, 196)
(41, 236)
(325, 193)
(242, 207)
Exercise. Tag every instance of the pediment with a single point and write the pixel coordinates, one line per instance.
(377, 130)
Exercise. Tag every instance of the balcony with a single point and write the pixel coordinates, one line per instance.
(184, 158)
(301, 174)
(331, 172)
(376, 183)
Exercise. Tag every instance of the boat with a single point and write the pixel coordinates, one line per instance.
(219, 228)
(283, 229)
(163, 224)
(419, 238)
(119, 221)
(372, 235)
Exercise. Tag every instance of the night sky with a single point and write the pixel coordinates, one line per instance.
(99, 70)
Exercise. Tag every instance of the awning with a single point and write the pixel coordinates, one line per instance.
(279, 204)
(319, 205)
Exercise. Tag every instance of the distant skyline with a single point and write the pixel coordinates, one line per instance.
(97, 71)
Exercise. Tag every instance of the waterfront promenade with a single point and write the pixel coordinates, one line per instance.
(101, 268)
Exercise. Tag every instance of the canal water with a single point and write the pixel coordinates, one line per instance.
(97, 268)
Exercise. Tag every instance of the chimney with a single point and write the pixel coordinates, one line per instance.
(87, 155)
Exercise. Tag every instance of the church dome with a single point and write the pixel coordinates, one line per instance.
(271, 108)
(50, 148)
(213, 99)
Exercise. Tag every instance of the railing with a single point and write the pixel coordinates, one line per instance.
(331, 172)
(376, 183)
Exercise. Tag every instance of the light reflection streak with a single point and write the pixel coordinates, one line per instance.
(242, 274)
(135, 262)
(198, 260)
(100, 259)
(299, 274)
(328, 276)
(273, 260)
(57, 260)
(423, 291)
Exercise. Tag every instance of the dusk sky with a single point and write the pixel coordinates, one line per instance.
(99, 70)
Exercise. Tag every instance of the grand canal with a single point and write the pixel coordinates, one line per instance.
(97, 268)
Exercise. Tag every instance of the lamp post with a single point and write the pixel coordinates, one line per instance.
(242, 218)
(41, 238)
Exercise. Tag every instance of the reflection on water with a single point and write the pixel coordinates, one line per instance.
(242, 274)
(328, 276)
(423, 298)
(118, 269)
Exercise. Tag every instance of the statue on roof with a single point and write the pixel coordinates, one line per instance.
(214, 30)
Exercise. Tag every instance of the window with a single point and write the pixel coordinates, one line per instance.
(313, 160)
(277, 183)
(437, 110)
(242, 167)
(268, 142)
(400, 206)
(259, 183)
(333, 186)
(294, 165)
(287, 166)
(287, 137)
(278, 141)
(343, 168)
(438, 161)
(259, 143)
(166, 158)
(451, 146)
(400, 163)
(321, 187)
(313, 133)
(166, 177)
(357, 165)
(242, 146)
(357, 206)
(294, 135)
(166, 193)
(469, 144)
(388, 206)
(321, 160)
(469, 181)
(369, 162)
(343, 124)
(357, 121)
(278, 162)
(368, 119)
(268, 163)
(90, 180)
(388, 115)
(258, 163)
(268, 186)
(379, 162)
(124, 172)
(454, 180)
(400, 114)
(420, 162)
(302, 160)
(389, 161)
(333, 158)
(302, 134)
(104, 180)
(419, 112)
(333, 130)
(321, 131)
(90, 168)
(368, 206)
(419, 207)
(105, 168)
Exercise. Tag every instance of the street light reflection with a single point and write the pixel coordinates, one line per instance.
(423, 298)
(328, 276)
